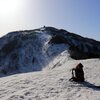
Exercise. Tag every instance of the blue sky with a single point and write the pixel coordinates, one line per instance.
(78, 16)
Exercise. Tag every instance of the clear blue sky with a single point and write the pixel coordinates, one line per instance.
(78, 16)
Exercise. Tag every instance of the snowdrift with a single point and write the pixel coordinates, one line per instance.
(53, 84)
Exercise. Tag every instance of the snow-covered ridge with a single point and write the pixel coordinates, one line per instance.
(32, 50)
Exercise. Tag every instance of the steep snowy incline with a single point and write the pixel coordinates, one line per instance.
(53, 84)
(33, 50)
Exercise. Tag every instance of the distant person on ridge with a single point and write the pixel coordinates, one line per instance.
(44, 26)
(77, 73)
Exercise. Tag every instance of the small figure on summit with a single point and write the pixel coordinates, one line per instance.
(44, 26)
(77, 73)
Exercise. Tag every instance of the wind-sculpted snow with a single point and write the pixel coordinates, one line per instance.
(33, 50)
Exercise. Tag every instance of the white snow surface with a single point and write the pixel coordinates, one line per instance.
(52, 83)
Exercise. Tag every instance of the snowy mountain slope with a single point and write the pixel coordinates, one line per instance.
(26, 51)
(53, 83)
(48, 54)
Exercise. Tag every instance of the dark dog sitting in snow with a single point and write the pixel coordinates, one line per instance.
(77, 73)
